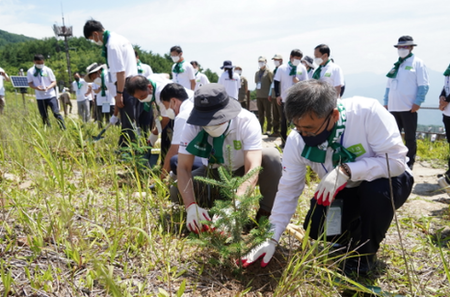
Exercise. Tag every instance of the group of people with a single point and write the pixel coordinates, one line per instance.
(355, 146)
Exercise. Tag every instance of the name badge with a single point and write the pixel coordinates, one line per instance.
(258, 86)
(334, 218)
(105, 107)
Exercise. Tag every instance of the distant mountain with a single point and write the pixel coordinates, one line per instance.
(6, 37)
(373, 85)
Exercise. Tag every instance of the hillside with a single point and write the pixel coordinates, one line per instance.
(6, 37)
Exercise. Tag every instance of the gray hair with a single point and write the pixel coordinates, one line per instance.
(311, 96)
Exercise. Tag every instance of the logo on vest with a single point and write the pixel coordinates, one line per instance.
(237, 144)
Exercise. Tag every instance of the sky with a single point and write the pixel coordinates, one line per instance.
(360, 33)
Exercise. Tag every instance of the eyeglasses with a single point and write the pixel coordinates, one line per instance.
(327, 121)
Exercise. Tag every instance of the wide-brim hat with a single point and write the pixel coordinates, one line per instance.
(94, 67)
(405, 41)
(213, 106)
(309, 61)
(227, 64)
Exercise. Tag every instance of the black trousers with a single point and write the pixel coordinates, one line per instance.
(44, 104)
(446, 121)
(127, 118)
(144, 119)
(407, 121)
(166, 138)
(103, 117)
(366, 213)
(283, 125)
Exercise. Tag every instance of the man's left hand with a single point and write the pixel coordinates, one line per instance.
(415, 108)
(329, 186)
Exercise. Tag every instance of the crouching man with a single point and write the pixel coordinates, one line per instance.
(345, 142)
(224, 134)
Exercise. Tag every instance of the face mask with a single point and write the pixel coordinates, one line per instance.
(262, 64)
(175, 59)
(276, 63)
(318, 61)
(98, 81)
(319, 138)
(238, 72)
(170, 113)
(403, 52)
(217, 130)
(148, 98)
(39, 66)
(296, 62)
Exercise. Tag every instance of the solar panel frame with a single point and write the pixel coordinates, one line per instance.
(19, 81)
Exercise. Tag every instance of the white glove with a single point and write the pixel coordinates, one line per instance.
(113, 120)
(195, 214)
(265, 249)
(224, 229)
(329, 186)
(152, 139)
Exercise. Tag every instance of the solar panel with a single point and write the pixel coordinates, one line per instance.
(19, 81)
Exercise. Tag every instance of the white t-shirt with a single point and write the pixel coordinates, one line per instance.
(146, 70)
(102, 99)
(2, 87)
(45, 80)
(370, 133)
(243, 134)
(184, 78)
(412, 73)
(231, 85)
(121, 56)
(446, 111)
(286, 81)
(332, 74)
(181, 118)
(80, 90)
(200, 80)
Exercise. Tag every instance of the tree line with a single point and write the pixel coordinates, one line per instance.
(17, 53)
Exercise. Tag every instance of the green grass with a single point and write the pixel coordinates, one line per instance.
(77, 220)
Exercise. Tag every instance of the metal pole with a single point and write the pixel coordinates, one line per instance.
(68, 58)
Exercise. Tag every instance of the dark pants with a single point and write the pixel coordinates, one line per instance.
(127, 118)
(366, 215)
(174, 163)
(407, 121)
(264, 112)
(446, 121)
(283, 125)
(166, 138)
(43, 105)
(144, 119)
(103, 117)
(276, 114)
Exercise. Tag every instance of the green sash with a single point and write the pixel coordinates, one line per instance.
(447, 71)
(37, 71)
(200, 147)
(316, 74)
(103, 86)
(105, 41)
(318, 153)
(178, 67)
(139, 67)
(394, 71)
(293, 69)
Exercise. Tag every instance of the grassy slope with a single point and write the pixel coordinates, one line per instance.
(72, 224)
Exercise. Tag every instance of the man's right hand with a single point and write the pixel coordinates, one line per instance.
(195, 214)
(265, 250)
(119, 101)
(279, 100)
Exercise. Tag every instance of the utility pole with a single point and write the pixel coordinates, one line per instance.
(66, 32)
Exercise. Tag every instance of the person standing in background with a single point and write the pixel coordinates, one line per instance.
(244, 94)
(263, 80)
(200, 78)
(230, 80)
(182, 73)
(3, 77)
